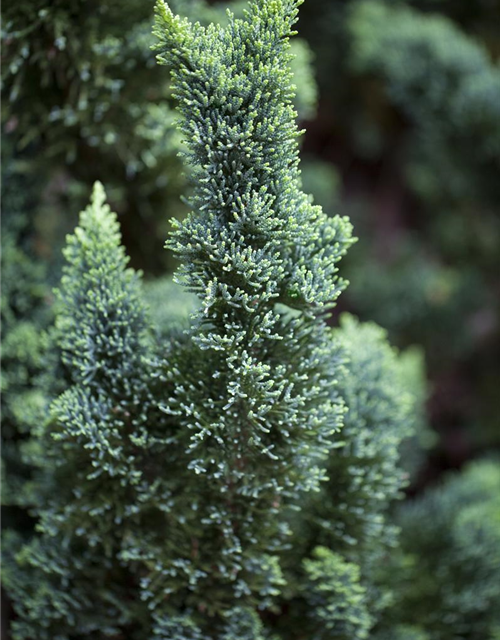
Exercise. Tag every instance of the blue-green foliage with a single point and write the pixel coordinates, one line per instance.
(349, 514)
(254, 241)
(349, 517)
(165, 466)
(335, 596)
(305, 98)
(100, 327)
(94, 452)
(447, 575)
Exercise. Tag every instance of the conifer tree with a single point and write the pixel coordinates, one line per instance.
(254, 246)
(344, 532)
(170, 464)
(225, 470)
(167, 490)
(68, 581)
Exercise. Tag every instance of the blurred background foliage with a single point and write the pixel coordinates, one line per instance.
(409, 117)
(401, 103)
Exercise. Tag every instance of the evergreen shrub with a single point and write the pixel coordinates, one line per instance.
(221, 463)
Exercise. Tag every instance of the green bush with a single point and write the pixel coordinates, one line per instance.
(210, 458)
(447, 577)
(165, 473)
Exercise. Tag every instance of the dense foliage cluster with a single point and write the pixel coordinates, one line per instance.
(343, 533)
(446, 576)
(215, 457)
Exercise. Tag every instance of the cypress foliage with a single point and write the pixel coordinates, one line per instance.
(255, 241)
(169, 465)
(335, 597)
(161, 495)
(343, 533)
(68, 581)
(226, 470)
(100, 327)
(364, 475)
